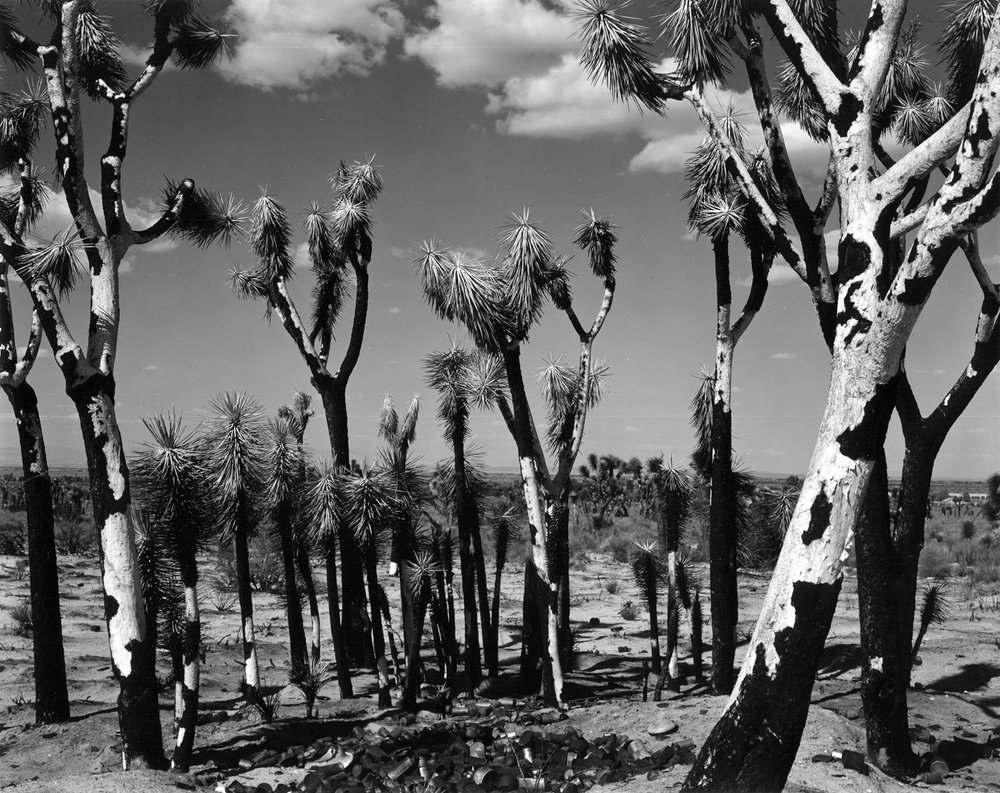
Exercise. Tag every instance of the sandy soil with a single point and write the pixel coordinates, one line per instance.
(955, 701)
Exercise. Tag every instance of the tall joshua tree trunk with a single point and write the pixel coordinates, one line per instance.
(51, 696)
(293, 605)
(336, 632)
(309, 582)
(356, 625)
(241, 549)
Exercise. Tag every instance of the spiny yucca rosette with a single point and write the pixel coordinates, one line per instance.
(282, 461)
(525, 260)
(447, 373)
(204, 217)
(701, 421)
(370, 503)
(617, 53)
(22, 202)
(356, 186)
(234, 442)
(23, 116)
(561, 385)
(58, 261)
(461, 288)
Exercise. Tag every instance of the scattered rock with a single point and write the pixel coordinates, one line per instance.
(663, 729)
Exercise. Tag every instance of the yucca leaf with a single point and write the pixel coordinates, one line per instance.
(206, 217)
(99, 57)
(10, 200)
(698, 39)
(270, 237)
(408, 427)
(961, 44)
(616, 52)
(648, 571)
(248, 284)
(505, 533)
(282, 461)
(58, 261)
(525, 257)
(200, 43)
(10, 45)
(597, 237)
(485, 380)
(22, 117)
(324, 505)
(359, 183)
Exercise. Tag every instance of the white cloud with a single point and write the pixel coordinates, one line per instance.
(293, 43)
(395, 310)
(151, 368)
(783, 356)
(630, 428)
(487, 42)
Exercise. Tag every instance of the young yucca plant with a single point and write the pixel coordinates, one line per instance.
(171, 480)
(649, 573)
(370, 504)
(234, 442)
(283, 469)
(323, 507)
(298, 415)
(935, 609)
(309, 679)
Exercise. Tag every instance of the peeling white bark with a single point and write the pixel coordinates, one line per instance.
(251, 672)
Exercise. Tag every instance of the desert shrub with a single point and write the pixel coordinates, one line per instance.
(629, 610)
(618, 548)
(265, 701)
(309, 679)
(968, 529)
(579, 561)
(20, 570)
(13, 534)
(75, 536)
(20, 617)
(224, 578)
(265, 566)
(935, 560)
(223, 600)
(611, 585)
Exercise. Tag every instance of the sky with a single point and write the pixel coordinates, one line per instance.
(473, 109)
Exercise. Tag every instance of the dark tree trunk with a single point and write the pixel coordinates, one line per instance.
(722, 550)
(490, 651)
(654, 638)
(336, 634)
(416, 604)
(378, 636)
(189, 678)
(293, 606)
(467, 522)
(560, 544)
(356, 628)
(133, 650)
(51, 697)
(495, 617)
(305, 570)
(241, 551)
(883, 657)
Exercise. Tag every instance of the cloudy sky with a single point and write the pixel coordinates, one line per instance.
(473, 109)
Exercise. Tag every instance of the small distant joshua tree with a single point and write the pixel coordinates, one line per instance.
(234, 448)
(339, 244)
(81, 56)
(498, 304)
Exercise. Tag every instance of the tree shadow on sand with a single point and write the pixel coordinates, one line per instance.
(968, 678)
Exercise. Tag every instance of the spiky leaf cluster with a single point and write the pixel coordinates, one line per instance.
(10, 44)
(324, 505)
(525, 262)
(199, 43)
(170, 479)
(38, 193)
(100, 61)
(701, 420)
(370, 504)
(562, 386)
(697, 36)
(58, 261)
(597, 237)
(648, 570)
(674, 494)
(206, 218)
(356, 188)
(270, 238)
(961, 44)
(447, 372)
(282, 461)
(23, 115)
(505, 534)
(616, 52)
(235, 439)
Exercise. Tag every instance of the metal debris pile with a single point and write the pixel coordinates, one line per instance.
(527, 753)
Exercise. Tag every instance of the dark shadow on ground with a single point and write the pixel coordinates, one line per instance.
(838, 659)
(969, 678)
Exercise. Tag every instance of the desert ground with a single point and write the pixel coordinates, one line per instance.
(953, 704)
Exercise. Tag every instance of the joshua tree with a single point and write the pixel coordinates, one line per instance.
(79, 57)
(719, 210)
(934, 610)
(505, 533)
(339, 242)
(448, 374)
(298, 415)
(324, 503)
(234, 443)
(283, 469)
(171, 481)
(867, 313)
(20, 207)
(370, 504)
(602, 486)
(647, 568)
(499, 304)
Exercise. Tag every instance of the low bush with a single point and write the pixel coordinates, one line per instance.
(629, 610)
(75, 537)
(13, 534)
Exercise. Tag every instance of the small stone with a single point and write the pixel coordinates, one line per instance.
(595, 621)
(663, 729)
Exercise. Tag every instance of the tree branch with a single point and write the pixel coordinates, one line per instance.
(760, 266)
(876, 49)
(353, 351)
(167, 220)
(283, 306)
